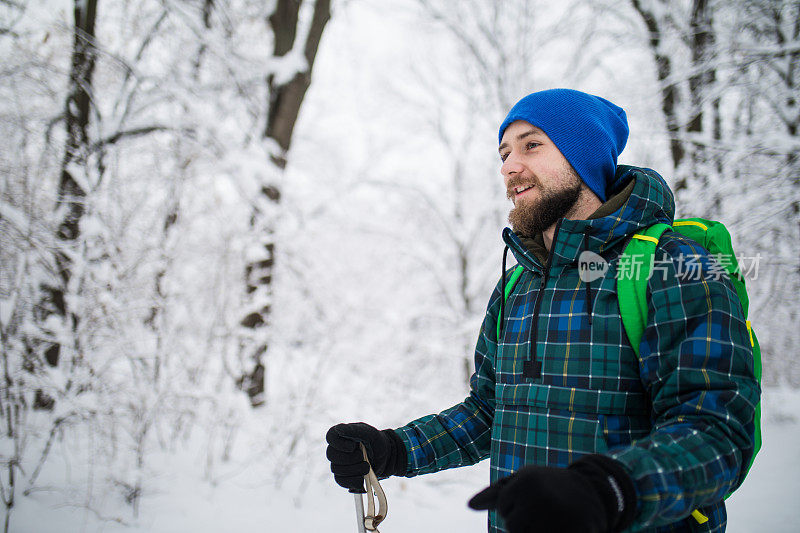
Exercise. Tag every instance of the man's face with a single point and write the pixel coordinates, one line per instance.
(539, 180)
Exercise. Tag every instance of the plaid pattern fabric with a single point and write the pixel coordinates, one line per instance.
(680, 419)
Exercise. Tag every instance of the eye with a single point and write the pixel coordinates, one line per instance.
(532, 144)
(503, 157)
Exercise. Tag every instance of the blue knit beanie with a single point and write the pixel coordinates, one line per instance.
(588, 130)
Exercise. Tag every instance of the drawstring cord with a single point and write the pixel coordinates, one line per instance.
(502, 296)
(589, 310)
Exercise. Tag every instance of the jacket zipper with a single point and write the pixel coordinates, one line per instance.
(532, 368)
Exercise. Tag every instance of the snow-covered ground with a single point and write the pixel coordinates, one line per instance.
(767, 502)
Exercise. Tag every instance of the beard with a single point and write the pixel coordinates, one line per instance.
(529, 217)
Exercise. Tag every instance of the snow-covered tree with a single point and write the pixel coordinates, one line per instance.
(727, 76)
(123, 121)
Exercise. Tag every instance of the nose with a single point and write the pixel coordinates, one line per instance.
(511, 166)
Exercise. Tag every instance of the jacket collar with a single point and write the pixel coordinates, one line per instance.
(649, 201)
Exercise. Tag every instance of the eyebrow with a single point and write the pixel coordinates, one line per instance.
(534, 131)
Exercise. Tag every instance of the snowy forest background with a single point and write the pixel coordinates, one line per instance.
(226, 225)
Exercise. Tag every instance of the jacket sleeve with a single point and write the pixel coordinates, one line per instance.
(697, 366)
(460, 435)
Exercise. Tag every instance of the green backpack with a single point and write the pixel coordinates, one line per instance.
(632, 288)
(635, 267)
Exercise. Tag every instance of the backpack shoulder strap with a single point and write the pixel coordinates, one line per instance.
(512, 281)
(634, 269)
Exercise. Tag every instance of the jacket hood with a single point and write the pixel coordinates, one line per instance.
(650, 201)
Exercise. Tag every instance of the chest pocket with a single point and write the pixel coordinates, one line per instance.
(550, 425)
(573, 399)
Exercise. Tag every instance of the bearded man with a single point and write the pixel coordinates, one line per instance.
(583, 434)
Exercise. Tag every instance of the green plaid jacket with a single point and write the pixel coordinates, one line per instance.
(563, 381)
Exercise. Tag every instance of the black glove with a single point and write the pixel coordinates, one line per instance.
(593, 495)
(385, 450)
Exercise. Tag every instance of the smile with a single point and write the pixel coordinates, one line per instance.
(522, 189)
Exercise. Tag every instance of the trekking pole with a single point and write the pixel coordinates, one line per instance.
(359, 511)
(370, 520)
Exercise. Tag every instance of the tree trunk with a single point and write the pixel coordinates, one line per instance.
(670, 96)
(285, 100)
(70, 203)
(689, 153)
(702, 42)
